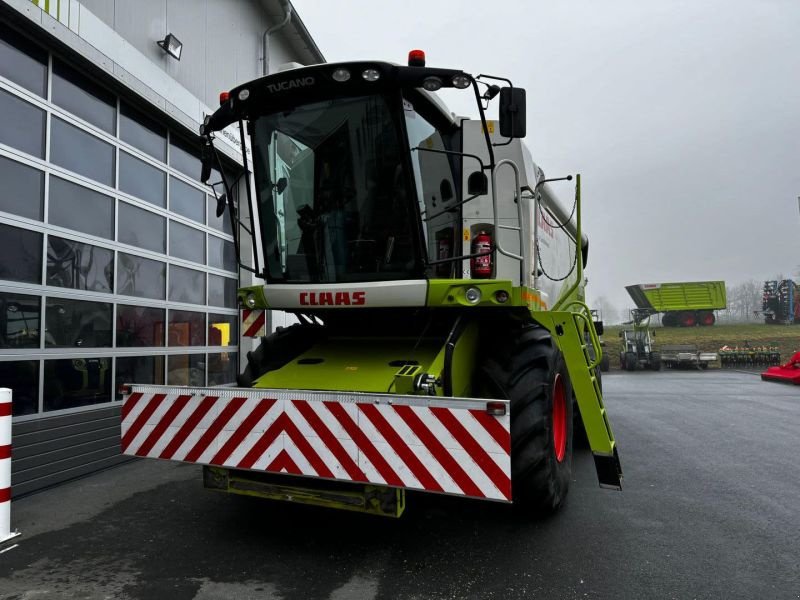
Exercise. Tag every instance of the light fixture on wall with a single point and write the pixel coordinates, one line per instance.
(171, 45)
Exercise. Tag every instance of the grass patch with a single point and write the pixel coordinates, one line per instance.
(711, 339)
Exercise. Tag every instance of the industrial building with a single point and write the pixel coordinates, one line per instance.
(114, 266)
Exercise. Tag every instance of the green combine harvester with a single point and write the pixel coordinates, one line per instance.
(443, 338)
(683, 304)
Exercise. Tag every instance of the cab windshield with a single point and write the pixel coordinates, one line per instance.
(335, 196)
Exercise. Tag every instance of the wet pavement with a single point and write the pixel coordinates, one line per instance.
(710, 509)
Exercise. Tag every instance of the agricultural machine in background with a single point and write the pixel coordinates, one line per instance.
(786, 373)
(749, 356)
(637, 344)
(781, 302)
(686, 356)
(605, 359)
(682, 304)
(439, 285)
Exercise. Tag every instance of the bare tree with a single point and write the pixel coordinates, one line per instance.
(744, 301)
(608, 312)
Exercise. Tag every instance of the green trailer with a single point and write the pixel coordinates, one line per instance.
(683, 304)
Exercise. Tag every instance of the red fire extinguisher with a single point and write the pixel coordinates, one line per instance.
(481, 266)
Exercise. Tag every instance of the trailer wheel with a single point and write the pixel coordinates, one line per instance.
(706, 319)
(688, 319)
(605, 363)
(529, 370)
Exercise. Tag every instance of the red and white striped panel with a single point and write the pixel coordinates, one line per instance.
(451, 445)
(254, 322)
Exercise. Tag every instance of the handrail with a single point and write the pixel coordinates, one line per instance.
(585, 314)
(578, 247)
(497, 226)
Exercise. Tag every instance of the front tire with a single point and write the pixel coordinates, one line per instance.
(527, 368)
(655, 361)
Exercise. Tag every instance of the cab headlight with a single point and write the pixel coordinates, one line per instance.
(473, 295)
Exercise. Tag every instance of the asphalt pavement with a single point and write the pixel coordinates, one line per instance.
(710, 509)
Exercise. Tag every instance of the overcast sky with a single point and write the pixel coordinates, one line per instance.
(683, 117)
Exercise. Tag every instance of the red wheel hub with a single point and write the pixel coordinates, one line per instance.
(559, 418)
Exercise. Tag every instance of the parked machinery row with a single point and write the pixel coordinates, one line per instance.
(749, 357)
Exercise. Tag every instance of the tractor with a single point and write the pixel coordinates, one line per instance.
(637, 344)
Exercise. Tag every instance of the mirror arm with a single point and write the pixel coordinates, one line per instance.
(511, 85)
(484, 76)
(482, 113)
(235, 222)
(229, 192)
(543, 181)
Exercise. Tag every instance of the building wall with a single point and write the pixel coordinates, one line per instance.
(222, 38)
(115, 267)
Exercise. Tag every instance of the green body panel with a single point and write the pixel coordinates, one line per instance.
(451, 292)
(665, 297)
(464, 357)
(568, 330)
(355, 365)
(378, 364)
(257, 291)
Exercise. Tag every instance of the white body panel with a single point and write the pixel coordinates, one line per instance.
(556, 225)
(347, 295)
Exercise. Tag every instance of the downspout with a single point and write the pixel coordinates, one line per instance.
(287, 7)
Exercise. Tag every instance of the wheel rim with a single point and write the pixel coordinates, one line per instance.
(559, 419)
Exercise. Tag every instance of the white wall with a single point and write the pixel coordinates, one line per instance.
(221, 39)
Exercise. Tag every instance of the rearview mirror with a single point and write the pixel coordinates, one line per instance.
(512, 112)
(477, 184)
(206, 158)
(598, 327)
(221, 202)
(281, 185)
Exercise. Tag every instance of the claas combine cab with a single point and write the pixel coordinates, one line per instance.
(442, 342)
